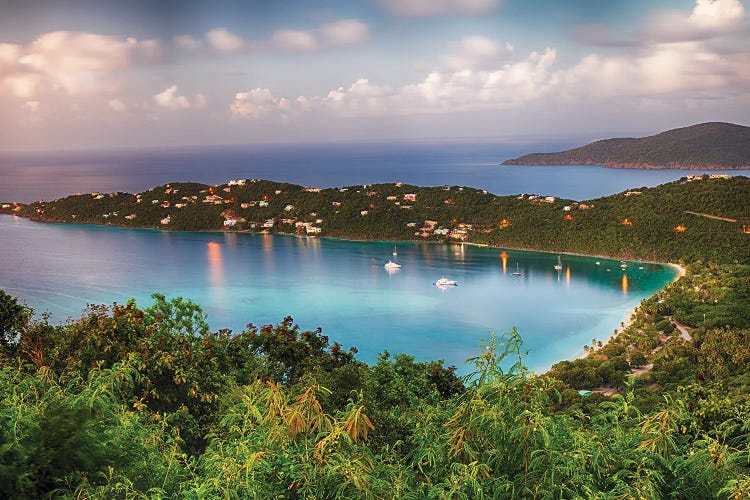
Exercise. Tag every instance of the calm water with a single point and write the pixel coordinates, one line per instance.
(340, 286)
(30, 177)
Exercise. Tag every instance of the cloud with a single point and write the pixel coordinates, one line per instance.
(294, 40)
(117, 105)
(430, 8)
(187, 42)
(329, 35)
(709, 19)
(69, 62)
(345, 32)
(717, 13)
(170, 100)
(256, 103)
(199, 101)
(223, 40)
(476, 52)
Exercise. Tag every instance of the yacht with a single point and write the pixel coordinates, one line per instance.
(518, 271)
(445, 282)
(392, 265)
(558, 266)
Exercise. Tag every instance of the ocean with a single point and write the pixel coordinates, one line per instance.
(29, 177)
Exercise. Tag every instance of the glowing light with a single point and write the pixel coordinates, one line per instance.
(215, 264)
(680, 228)
(504, 259)
(567, 275)
(625, 284)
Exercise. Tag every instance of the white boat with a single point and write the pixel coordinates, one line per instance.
(558, 266)
(518, 271)
(445, 282)
(392, 265)
(394, 252)
(598, 263)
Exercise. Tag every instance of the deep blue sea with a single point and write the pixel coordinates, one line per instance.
(30, 177)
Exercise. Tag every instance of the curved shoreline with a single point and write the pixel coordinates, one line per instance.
(627, 320)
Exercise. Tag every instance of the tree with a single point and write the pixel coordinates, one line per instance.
(13, 317)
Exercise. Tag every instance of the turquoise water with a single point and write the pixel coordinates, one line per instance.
(338, 285)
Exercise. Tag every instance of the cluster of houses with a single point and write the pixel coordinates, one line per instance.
(700, 177)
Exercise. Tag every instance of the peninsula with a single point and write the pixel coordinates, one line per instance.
(695, 218)
(709, 146)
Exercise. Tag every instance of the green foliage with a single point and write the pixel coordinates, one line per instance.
(13, 317)
(134, 403)
(594, 227)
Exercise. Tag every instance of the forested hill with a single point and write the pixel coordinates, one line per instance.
(714, 145)
(695, 218)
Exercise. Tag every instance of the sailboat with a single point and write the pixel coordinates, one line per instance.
(558, 266)
(395, 253)
(518, 271)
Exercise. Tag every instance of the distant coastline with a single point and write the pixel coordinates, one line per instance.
(706, 146)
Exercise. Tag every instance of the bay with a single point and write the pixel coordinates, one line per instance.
(340, 286)
(28, 177)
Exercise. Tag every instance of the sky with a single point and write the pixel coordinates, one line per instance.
(127, 74)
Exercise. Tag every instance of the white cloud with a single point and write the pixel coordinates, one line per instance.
(199, 101)
(187, 42)
(329, 35)
(429, 8)
(170, 100)
(117, 105)
(345, 32)
(717, 13)
(302, 41)
(257, 102)
(224, 40)
(33, 106)
(477, 52)
(69, 62)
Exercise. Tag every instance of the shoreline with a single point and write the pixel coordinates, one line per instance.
(677, 267)
(625, 323)
(630, 315)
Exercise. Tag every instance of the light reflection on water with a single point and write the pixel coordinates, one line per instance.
(340, 286)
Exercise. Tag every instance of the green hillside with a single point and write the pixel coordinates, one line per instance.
(713, 145)
(701, 218)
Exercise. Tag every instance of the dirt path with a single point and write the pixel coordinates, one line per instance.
(709, 216)
(684, 333)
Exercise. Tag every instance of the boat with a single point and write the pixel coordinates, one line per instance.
(558, 266)
(443, 282)
(392, 265)
(598, 263)
(518, 271)
(623, 264)
(395, 253)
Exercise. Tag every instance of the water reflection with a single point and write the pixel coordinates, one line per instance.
(215, 264)
(625, 284)
(567, 276)
(504, 259)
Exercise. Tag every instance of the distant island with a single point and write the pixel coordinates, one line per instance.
(706, 146)
(695, 218)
